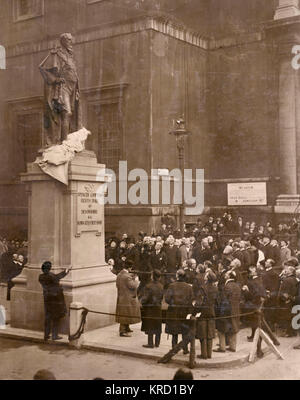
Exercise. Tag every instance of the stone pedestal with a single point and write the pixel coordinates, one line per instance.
(66, 227)
(286, 9)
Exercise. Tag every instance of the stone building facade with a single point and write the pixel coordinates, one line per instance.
(227, 67)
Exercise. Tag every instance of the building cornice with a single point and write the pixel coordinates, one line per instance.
(161, 24)
(155, 23)
(282, 23)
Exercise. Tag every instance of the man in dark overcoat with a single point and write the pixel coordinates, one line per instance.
(270, 280)
(286, 296)
(54, 301)
(173, 261)
(203, 253)
(151, 309)
(254, 294)
(205, 303)
(145, 253)
(128, 307)
(179, 297)
(228, 306)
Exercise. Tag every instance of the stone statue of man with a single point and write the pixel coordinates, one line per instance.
(62, 106)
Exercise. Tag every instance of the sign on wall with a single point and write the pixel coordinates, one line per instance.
(247, 194)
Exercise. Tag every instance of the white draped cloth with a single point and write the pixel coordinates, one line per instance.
(55, 159)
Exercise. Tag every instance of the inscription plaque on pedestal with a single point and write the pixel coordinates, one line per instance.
(89, 212)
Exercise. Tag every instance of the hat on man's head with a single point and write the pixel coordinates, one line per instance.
(180, 274)
(291, 262)
(156, 274)
(46, 266)
(129, 264)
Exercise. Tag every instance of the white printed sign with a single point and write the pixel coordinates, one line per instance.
(247, 194)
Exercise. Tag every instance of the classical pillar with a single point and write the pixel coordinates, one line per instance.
(284, 36)
(286, 9)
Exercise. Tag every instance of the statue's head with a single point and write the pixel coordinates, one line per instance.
(66, 40)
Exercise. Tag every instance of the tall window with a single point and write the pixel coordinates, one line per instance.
(26, 9)
(29, 137)
(109, 135)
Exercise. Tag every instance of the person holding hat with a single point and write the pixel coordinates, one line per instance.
(54, 301)
(151, 309)
(179, 297)
(128, 307)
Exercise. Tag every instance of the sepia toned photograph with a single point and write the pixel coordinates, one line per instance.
(149, 192)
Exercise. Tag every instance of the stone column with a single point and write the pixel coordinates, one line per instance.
(283, 36)
(286, 9)
(66, 227)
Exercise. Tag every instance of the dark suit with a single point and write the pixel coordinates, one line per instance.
(179, 297)
(271, 283)
(286, 296)
(228, 304)
(54, 301)
(205, 332)
(202, 254)
(252, 303)
(173, 262)
(158, 261)
(151, 311)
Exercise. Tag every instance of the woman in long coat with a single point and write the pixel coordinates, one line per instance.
(151, 309)
(54, 301)
(205, 304)
(128, 307)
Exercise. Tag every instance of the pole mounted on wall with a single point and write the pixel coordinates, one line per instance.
(181, 133)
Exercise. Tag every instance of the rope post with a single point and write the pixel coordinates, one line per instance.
(192, 363)
(75, 320)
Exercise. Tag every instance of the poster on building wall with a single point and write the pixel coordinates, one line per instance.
(247, 194)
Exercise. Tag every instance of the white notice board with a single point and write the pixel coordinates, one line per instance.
(247, 194)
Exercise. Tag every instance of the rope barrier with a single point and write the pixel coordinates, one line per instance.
(158, 318)
(85, 312)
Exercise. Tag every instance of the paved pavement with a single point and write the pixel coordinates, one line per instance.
(107, 340)
(21, 359)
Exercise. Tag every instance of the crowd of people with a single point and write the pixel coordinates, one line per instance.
(13, 258)
(222, 270)
(224, 281)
